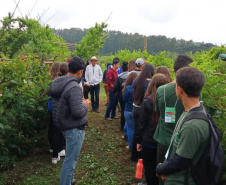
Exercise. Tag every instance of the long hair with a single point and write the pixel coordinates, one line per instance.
(156, 81)
(55, 69)
(129, 81)
(138, 89)
(164, 70)
(131, 65)
(63, 69)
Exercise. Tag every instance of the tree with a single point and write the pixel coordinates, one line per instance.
(92, 42)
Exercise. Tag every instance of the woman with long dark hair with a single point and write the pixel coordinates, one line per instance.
(127, 93)
(164, 70)
(139, 88)
(146, 128)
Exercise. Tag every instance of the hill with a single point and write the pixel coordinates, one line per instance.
(118, 40)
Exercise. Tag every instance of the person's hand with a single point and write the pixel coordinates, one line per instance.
(139, 147)
(99, 83)
(87, 83)
(86, 102)
(112, 85)
(163, 177)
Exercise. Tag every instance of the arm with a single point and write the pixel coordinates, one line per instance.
(109, 79)
(173, 165)
(87, 74)
(77, 108)
(146, 114)
(125, 96)
(156, 103)
(101, 75)
(116, 85)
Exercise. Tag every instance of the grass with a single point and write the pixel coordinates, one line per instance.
(104, 158)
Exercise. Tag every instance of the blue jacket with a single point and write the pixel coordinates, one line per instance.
(128, 98)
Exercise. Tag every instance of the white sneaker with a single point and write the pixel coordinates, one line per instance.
(62, 153)
(54, 160)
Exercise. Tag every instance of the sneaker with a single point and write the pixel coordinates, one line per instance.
(97, 111)
(73, 182)
(116, 117)
(109, 119)
(92, 110)
(54, 160)
(62, 153)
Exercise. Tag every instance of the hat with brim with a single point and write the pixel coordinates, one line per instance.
(94, 58)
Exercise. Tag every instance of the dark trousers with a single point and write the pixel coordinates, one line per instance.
(161, 152)
(94, 92)
(86, 91)
(136, 114)
(56, 139)
(111, 109)
(122, 105)
(149, 157)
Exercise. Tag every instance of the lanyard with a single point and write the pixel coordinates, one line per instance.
(177, 128)
(165, 97)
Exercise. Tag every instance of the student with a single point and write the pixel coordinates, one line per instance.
(111, 78)
(146, 129)
(94, 76)
(127, 93)
(140, 85)
(105, 82)
(51, 128)
(58, 139)
(190, 138)
(118, 86)
(86, 88)
(164, 70)
(131, 65)
(166, 99)
(67, 95)
(139, 65)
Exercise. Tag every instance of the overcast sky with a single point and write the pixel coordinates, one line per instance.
(197, 20)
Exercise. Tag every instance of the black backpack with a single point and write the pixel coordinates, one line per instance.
(208, 169)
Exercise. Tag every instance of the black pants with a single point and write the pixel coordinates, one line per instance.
(86, 91)
(136, 114)
(122, 105)
(94, 92)
(161, 152)
(149, 157)
(56, 138)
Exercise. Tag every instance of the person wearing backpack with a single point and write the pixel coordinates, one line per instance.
(118, 86)
(189, 138)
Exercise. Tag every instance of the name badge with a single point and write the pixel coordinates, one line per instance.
(170, 115)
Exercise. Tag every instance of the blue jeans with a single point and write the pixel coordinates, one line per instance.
(74, 139)
(125, 130)
(129, 121)
(113, 101)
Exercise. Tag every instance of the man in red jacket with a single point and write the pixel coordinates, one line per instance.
(111, 78)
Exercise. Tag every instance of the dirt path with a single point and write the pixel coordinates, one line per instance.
(104, 159)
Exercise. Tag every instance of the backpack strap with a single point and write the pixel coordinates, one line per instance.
(196, 115)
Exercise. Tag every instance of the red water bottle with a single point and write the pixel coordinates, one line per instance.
(139, 170)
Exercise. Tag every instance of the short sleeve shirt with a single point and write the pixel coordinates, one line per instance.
(165, 130)
(189, 142)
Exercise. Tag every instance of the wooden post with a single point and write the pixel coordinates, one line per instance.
(145, 43)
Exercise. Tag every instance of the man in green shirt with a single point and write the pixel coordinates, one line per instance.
(166, 97)
(190, 138)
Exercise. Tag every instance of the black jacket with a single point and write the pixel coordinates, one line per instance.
(147, 123)
(105, 76)
(119, 83)
(67, 107)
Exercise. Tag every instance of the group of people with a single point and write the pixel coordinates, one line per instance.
(153, 108)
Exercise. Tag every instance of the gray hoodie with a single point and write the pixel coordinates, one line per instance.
(67, 108)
